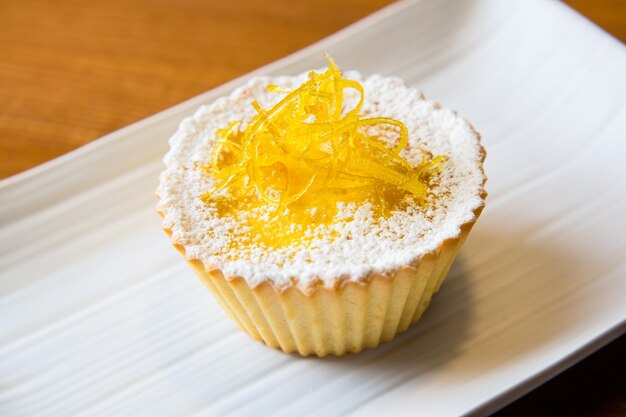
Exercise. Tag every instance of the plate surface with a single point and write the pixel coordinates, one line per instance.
(99, 316)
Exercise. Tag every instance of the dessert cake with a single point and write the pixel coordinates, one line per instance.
(322, 210)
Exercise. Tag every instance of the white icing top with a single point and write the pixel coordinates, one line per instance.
(360, 245)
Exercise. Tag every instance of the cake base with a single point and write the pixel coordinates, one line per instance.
(334, 321)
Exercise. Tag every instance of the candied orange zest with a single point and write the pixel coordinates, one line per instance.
(309, 144)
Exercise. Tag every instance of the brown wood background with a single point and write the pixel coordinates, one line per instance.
(73, 70)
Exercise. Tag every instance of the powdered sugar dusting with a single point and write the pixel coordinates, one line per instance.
(357, 244)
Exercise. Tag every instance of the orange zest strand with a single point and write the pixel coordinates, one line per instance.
(309, 152)
(308, 143)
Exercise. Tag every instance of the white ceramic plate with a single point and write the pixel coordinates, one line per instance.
(99, 316)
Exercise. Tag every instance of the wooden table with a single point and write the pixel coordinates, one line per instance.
(71, 71)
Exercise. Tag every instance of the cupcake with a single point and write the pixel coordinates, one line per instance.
(323, 210)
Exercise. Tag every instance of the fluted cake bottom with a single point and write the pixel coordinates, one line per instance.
(335, 321)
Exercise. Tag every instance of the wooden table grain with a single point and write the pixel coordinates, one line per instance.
(74, 70)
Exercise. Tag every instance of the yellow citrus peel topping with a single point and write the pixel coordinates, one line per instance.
(309, 152)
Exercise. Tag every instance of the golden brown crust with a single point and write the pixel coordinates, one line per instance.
(335, 321)
(346, 318)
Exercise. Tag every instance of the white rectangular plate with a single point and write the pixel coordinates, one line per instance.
(99, 316)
